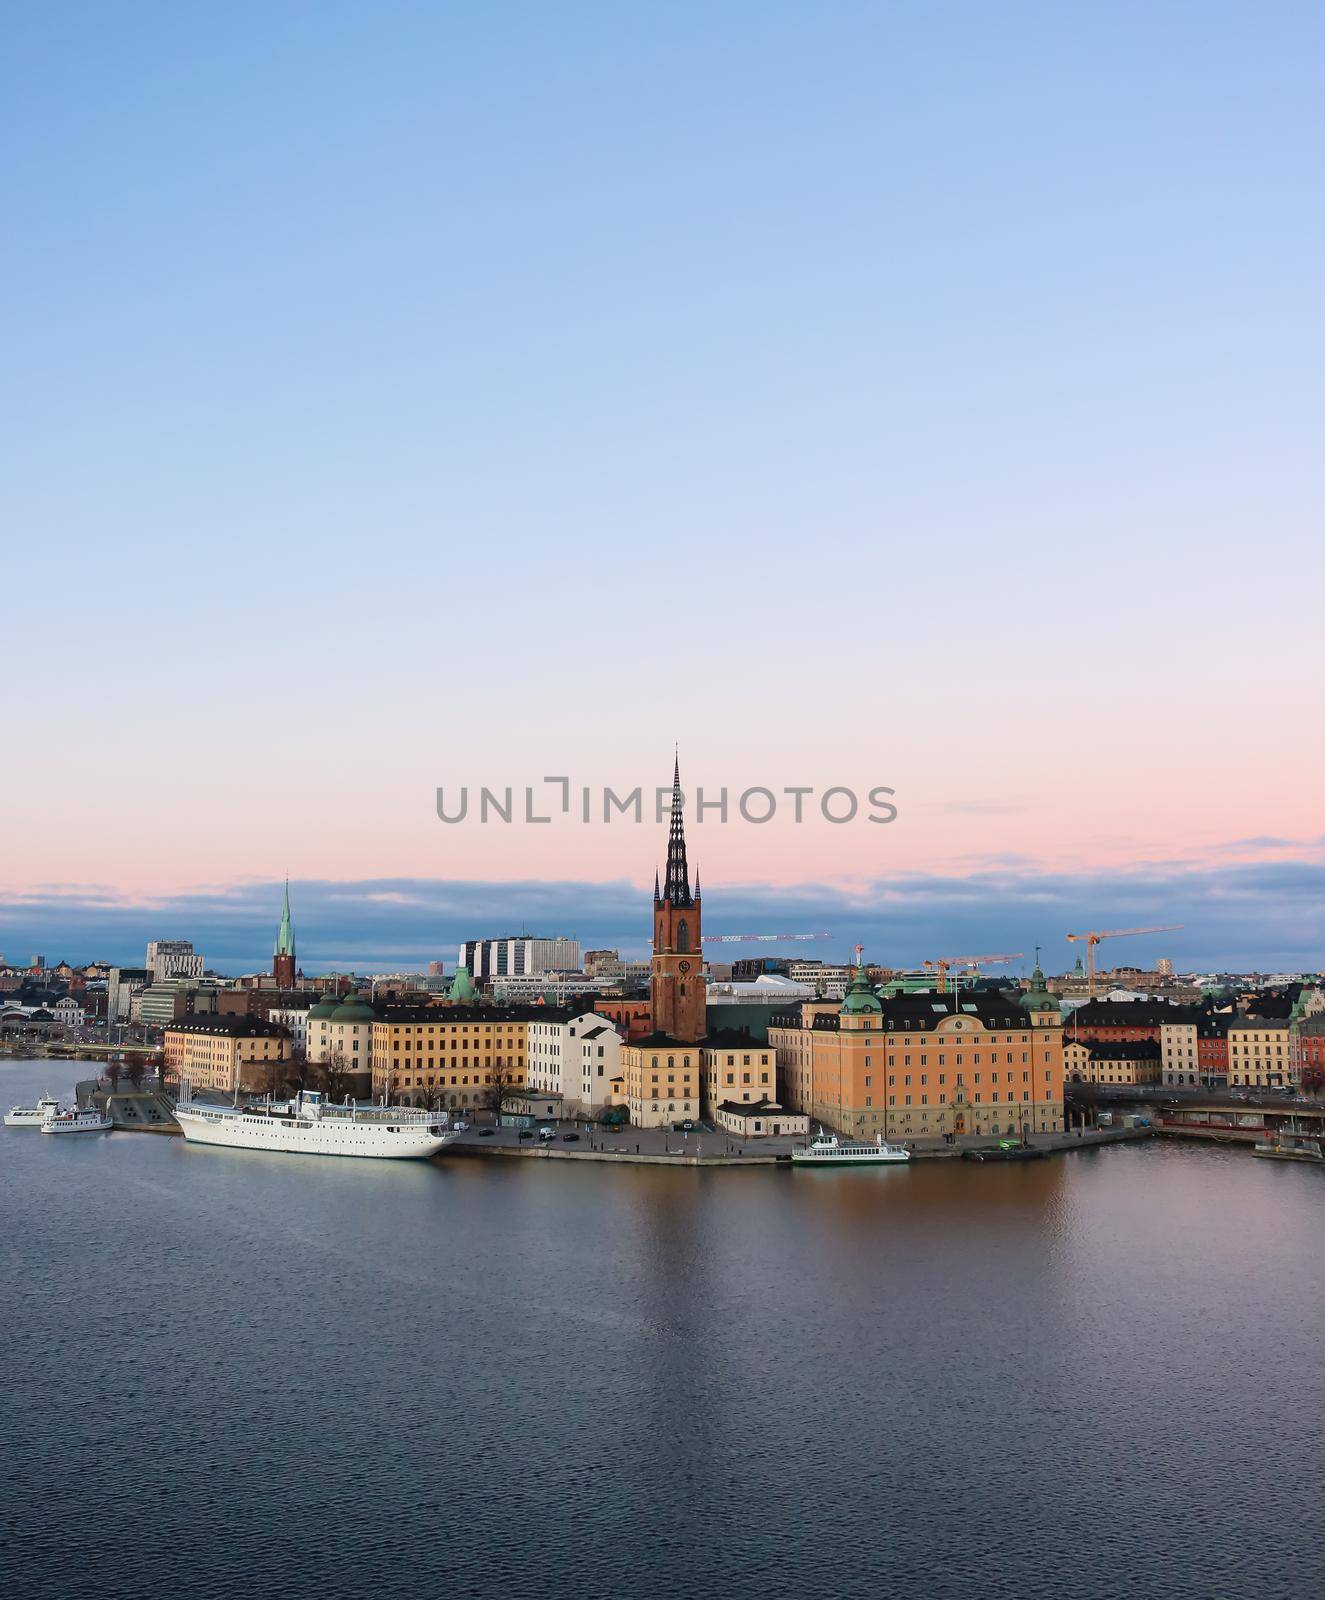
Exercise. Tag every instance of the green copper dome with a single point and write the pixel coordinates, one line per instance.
(323, 1009)
(462, 986)
(860, 999)
(355, 1008)
(1037, 997)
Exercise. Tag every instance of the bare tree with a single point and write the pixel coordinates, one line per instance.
(501, 1088)
(114, 1071)
(334, 1075)
(274, 1079)
(135, 1071)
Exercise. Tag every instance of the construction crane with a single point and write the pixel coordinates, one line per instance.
(1092, 939)
(941, 964)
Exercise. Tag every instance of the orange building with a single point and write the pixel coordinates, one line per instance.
(224, 1053)
(924, 1065)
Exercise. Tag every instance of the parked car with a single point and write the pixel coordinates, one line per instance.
(547, 1133)
(486, 1133)
(460, 1127)
(526, 1133)
(571, 1138)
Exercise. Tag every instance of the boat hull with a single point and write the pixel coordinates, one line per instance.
(315, 1137)
(104, 1125)
(894, 1158)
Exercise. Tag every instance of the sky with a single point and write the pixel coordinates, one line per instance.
(400, 396)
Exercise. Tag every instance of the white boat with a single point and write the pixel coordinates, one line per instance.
(309, 1125)
(827, 1150)
(89, 1120)
(32, 1116)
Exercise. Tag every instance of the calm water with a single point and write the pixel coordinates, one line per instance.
(232, 1373)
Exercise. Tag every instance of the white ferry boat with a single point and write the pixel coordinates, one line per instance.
(87, 1121)
(309, 1125)
(32, 1116)
(827, 1150)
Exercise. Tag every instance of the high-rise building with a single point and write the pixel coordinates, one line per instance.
(282, 958)
(173, 958)
(518, 956)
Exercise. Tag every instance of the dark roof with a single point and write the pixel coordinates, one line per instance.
(662, 1041)
(1131, 1014)
(226, 1023)
(592, 1033)
(463, 1014)
(734, 1039)
(1125, 1050)
(743, 1108)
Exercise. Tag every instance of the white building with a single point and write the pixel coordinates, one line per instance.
(829, 983)
(68, 1013)
(518, 955)
(173, 958)
(769, 988)
(1180, 1054)
(294, 1019)
(556, 987)
(577, 1058)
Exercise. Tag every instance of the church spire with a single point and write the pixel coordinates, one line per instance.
(677, 886)
(285, 933)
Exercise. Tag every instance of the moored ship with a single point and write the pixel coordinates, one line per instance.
(827, 1150)
(309, 1125)
(32, 1116)
(89, 1120)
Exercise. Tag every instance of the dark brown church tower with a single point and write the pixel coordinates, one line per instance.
(677, 984)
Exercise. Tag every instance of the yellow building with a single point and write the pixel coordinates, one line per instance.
(452, 1056)
(1122, 1063)
(225, 1053)
(1260, 1053)
(924, 1065)
(662, 1080)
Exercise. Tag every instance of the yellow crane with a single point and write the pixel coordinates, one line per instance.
(941, 964)
(1092, 939)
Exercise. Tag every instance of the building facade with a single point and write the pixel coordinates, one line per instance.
(1260, 1053)
(173, 958)
(917, 1066)
(225, 1053)
(452, 1056)
(577, 1057)
(518, 955)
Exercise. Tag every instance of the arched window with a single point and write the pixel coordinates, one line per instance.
(682, 935)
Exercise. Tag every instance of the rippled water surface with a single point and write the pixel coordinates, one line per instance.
(231, 1373)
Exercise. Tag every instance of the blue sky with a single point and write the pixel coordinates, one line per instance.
(395, 393)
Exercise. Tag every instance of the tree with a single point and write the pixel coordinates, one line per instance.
(135, 1072)
(502, 1087)
(114, 1069)
(274, 1079)
(334, 1075)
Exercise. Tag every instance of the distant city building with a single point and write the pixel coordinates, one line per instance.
(173, 958)
(437, 969)
(122, 984)
(518, 955)
(601, 962)
(828, 982)
(557, 988)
